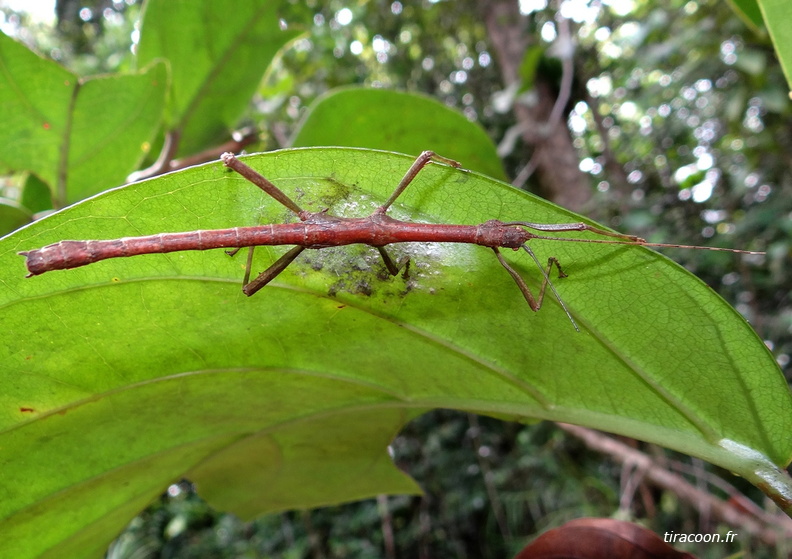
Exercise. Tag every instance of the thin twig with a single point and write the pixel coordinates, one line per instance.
(161, 165)
(166, 163)
(239, 141)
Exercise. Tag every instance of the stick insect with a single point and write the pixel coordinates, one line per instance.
(317, 230)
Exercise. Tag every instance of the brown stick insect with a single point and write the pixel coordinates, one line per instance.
(317, 230)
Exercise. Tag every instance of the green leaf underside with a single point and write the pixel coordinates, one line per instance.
(216, 61)
(397, 121)
(78, 136)
(127, 374)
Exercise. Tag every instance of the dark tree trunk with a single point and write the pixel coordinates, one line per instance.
(555, 158)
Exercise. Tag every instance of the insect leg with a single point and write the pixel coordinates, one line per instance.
(420, 162)
(248, 265)
(270, 273)
(550, 263)
(233, 252)
(393, 267)
(230, 160)
(524, 289)
(536, 302)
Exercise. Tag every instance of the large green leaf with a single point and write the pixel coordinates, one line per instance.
(124, 375)
(397, 121)
(218, 51)
(78, 135)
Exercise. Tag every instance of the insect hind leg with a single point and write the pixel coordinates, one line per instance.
(394, 267)
(536, 302)
(250, 288)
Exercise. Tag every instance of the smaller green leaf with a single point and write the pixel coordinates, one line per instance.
(79, 136)
(114, 121)
(36, 195)
(12, 216)
(35, 95)
(750, 13)
(777, 16)
(218, 51)
(397, 121)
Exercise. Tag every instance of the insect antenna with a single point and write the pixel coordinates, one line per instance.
(643, 243)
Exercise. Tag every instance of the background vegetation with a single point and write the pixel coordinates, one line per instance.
(677, 131)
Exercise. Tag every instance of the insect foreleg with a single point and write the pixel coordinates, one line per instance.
(558, 227)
